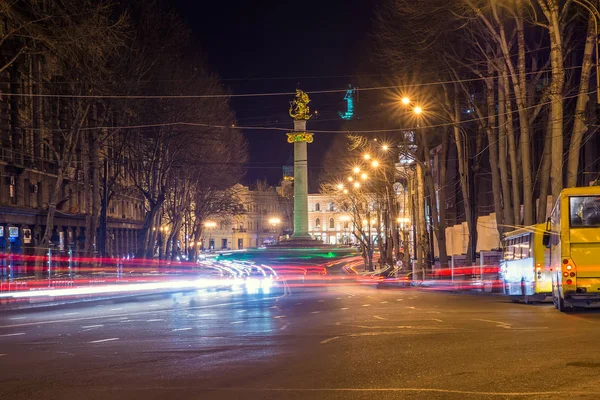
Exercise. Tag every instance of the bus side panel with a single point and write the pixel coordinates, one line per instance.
(519, 274)
(543, 276)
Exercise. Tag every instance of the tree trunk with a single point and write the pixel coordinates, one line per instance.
(420, 212)
(525, 139)
(442, 202)
(86, 167)
(95, 159)
(503, 93)
(512, 154)
(492, 137)
(54, 195)
(556, 97)
(580, 123)
(463, 170)
(545, 175)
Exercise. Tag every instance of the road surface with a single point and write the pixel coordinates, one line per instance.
(342, 342)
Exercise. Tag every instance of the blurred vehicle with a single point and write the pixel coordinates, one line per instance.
(524, 270)
(258, 280)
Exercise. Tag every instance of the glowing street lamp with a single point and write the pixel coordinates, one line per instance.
(364, 176)
(350, 179)
(417, 110)
(356, 185)
(405, 101)
(274, 221)
(345, 191)
(340, 186)
(375, 164)
(209, 225)
(367, 156)
(385, 147)
(356, 170)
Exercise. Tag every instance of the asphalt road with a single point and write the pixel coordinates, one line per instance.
(342, 342)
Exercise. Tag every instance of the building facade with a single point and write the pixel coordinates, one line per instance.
(30, 128)
(263, 222)
(327, 223)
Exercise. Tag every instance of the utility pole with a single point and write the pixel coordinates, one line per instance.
(103, 213)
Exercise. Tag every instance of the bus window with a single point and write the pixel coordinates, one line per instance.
(525, 246)
(516, 248)
(584, 211)
(509, 250)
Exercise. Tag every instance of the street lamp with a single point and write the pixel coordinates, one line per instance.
(356, 170)
(340, 186)
(385, 147)
(417, 110)
(356, 185)
(405, 101)
(346, 219)
(367, 156)
(375, 164)
(210, 225)
(364, 176)
(274, 222)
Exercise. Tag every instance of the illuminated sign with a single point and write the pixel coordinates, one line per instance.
(13, 232)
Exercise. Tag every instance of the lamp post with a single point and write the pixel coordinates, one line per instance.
(209, 225)
(274, 222)
(345, 219)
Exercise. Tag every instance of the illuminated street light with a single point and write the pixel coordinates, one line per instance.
(375, 164)
(356, 185)
(350, 179)
(274, 221)
(345, 191)
(340, 186)
(417, 110)
(364, 176)
(405, 101)
(367, 156)
(385, 147)
(356, 170)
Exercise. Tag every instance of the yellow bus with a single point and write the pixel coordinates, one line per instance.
(573, 236)
(523, 270)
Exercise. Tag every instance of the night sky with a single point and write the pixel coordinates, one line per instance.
(275, 46)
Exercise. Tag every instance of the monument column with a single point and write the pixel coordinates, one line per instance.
(300, 112)
(300, 139)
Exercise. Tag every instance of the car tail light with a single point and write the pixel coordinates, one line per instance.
(569, 282)
(565, 274)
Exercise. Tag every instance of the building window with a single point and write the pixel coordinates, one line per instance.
(317, 207)
(331, 207)
(317, 223)
(331, 223)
